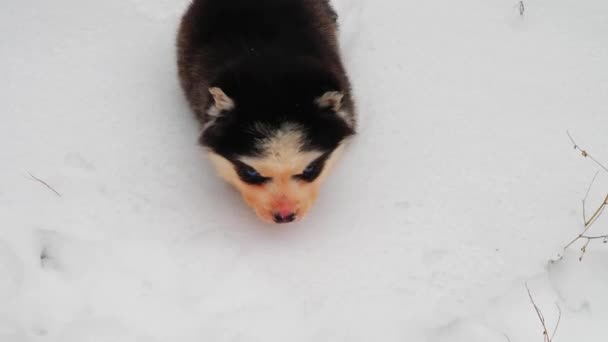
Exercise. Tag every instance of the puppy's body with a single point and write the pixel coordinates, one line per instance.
(266, 82)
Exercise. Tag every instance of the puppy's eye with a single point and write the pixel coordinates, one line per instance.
(252, 173)
(310, 171)
(313, 170)
(248, 174)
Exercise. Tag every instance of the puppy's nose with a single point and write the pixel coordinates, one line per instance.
(284, 217)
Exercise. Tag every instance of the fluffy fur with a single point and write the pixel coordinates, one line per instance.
(266, 82)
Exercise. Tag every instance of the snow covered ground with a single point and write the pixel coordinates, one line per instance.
(460, 187)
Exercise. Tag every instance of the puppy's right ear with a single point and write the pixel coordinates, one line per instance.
(222, 102)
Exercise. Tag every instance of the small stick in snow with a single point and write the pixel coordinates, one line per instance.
(547, 337)
(522, 8)
(585, 153)
(588, 223)
(589, 238)
(587, 195)
(45, 184)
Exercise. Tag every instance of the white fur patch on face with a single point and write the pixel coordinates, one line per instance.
(283, 154)
(283, 143)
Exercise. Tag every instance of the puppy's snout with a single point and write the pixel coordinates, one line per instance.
(284, 211)
(284, 217)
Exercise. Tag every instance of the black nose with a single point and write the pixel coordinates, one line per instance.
(278, 218)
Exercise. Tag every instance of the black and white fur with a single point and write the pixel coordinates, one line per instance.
(266, 81)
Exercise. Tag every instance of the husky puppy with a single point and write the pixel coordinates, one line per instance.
(265, 80)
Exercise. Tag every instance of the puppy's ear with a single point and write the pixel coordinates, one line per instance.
(334, 100)
(221, 101)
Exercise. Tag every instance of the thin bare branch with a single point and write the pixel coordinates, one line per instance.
(45, 184)
(585, 153)
(591, 185)
(597, 213)
(587, 222)
(587, 195)
(547, 337)
(605, 237)
(559, 319)
(584, 250)
(541, 318)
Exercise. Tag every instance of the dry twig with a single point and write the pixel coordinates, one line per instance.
(45, 184)
(585, 153)
(588, 223)
(547, 336)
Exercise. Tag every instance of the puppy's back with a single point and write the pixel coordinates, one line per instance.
(217, 34)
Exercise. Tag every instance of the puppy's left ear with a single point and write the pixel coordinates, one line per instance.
(331, 99)
(334, 100)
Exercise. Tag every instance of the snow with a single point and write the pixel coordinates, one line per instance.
(459, 189)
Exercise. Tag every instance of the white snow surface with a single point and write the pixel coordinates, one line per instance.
(458, 189)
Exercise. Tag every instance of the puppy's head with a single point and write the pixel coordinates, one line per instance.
(276, 150)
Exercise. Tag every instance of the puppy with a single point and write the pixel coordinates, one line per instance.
(266, 81)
